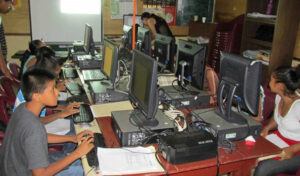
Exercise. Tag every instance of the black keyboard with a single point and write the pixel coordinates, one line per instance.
(90, 64)
(70, 73)
(78, 98)
(85, 114)
(74, 88)
(110, 96)
(92, 155)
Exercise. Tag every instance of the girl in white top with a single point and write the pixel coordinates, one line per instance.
(285, 82)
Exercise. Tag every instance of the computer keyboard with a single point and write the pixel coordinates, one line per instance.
(110, 96)
(90, 64)
(78, 98)
(92, 157)
(83, 57)
(70, 73)
(85, 114)
(74, 88)
(89, 75)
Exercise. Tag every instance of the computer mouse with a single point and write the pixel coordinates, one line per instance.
(68, 65)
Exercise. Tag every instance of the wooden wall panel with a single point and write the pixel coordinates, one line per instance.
(226, 10)
(17, 22)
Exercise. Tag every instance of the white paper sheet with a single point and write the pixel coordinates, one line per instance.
(276, 140)
(59, 127)
(114, 161)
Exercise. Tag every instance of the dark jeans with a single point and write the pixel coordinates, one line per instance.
(273, 167)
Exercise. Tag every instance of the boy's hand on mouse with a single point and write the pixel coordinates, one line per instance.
(70, 109)
(85, 146)
(83, 135)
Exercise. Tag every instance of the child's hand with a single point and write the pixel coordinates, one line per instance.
(288, 153)
(70, 109)
(264, 132)
(83, 135)
(85, 146)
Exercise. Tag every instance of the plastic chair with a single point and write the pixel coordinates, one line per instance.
(228, 37)
(6, 106)
(10, 87)
(14, 69)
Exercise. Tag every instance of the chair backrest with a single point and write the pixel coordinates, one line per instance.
(10, 87)
(227, 37)
(14, 69)
(5, 107)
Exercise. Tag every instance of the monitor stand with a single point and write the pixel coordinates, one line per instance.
(181, 98)
(130, 134)
(228, 130)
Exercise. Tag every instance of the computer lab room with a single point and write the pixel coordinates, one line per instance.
(150, 87)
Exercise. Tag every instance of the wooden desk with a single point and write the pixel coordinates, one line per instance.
(238, 163)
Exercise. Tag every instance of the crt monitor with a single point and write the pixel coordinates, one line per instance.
(164, 52)
(190, 64)
(88, 43)
(127, 37)
(143, 42)
(239, 85)
(128, 20)
(110, 63)
(143, 89)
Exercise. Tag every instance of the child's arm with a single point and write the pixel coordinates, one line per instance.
(270, 126)
(65, 112)
(82, 149)
(54, 139)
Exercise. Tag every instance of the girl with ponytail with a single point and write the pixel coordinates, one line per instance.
(285, 82)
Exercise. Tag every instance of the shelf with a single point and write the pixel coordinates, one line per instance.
(260, 42)
(271, 21)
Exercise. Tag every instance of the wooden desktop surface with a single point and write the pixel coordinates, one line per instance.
(239, 162)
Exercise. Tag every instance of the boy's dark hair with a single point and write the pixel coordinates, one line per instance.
(35, 80)
(46, 59)
(145, 15)
(290, 77)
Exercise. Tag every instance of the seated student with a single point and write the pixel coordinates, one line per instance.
(211, 83)
(25, 147)
(47, 60)
(156, 24)
(285, 82)
(29, 56)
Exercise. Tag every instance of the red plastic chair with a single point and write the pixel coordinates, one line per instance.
(10, 87)
(14, 69)
(6, 106)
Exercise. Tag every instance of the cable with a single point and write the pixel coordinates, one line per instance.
(156, 156)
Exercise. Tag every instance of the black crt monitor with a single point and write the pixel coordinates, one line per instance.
(143, 89)
(143, 42)
(239, 85)
(128, 20)
(110, 63)
(127, 37)
(190, 64)
(164, 52)
(88, 43)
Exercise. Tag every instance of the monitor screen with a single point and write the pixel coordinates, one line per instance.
(110, 65)
(88, 42)
(190, 63)
(143, 42)
(239, 85)
(128, 20)
(143, 87)
(164, 52)
(127, 37)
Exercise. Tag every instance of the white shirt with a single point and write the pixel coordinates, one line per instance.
(289, 125)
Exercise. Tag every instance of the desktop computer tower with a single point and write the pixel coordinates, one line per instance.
(191, 98)
(129, 134)
(227, 130)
